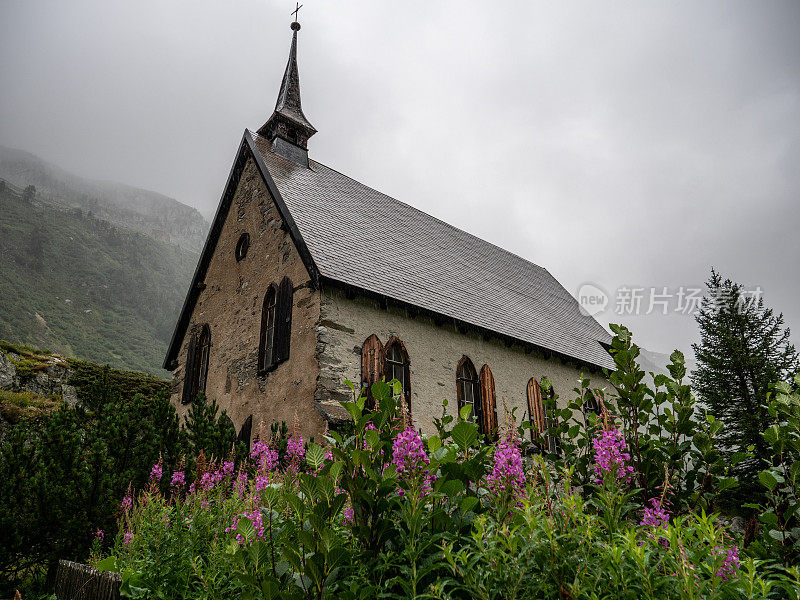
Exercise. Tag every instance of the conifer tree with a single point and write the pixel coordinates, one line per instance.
(744, 349)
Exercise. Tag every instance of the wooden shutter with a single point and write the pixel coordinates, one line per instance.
(246, 432)
(283, 321)
(203, 355)
(536, 409)
(488, 401)
(266, 359)
(188, 375)
(371, 363)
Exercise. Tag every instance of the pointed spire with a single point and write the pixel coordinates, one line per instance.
(288, 123)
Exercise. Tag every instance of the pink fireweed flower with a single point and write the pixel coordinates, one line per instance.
(178, 481)
(507, 474)
(369, 427)
(262, 481)
(295, 448)
(655, 516)
(654, 519)
(255, 518)
(240, 485)
(266, 457)
(227, 468)
(408, 455)
(730, 562)
(126, 504)
(127, 538)
(99, 535)
(209, 480)
(348, 515)
(156, 472)
(611, 456)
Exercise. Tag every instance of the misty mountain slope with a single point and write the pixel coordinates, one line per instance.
(83, 287)
(151, 213)
(656, 362)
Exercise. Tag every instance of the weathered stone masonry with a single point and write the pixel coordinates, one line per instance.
(231, 305)
(434, 351)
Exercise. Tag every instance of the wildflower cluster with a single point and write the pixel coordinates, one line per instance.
(266, 457)
(177, 482)
(210, 479)
(295, 448)
(655, 516)
(654, 519)
(240, 485)
(611, 456)
(507, 474)
(156, 472)
(255, 518)
(411, 461)
(730, 561)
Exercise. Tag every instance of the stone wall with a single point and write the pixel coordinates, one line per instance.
(434, 351)
(231, 305)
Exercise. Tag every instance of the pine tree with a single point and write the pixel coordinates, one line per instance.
(744, 350)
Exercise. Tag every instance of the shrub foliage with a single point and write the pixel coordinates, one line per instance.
(625, 510)
(64, 472)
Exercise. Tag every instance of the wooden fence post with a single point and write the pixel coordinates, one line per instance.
(75, 581)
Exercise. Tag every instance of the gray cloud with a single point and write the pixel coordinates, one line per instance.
(619, 143)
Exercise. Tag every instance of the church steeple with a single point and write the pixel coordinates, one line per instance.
(287, 128)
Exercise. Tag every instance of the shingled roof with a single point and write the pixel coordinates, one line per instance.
(366, 239)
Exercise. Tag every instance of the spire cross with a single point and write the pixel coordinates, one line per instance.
(296, 10)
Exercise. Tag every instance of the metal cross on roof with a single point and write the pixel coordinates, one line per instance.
(296, 10)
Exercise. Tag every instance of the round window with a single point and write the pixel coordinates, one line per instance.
(242, 245)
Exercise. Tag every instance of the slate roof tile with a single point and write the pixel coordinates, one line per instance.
(363, 238)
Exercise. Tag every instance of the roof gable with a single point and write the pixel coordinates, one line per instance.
(247, 150)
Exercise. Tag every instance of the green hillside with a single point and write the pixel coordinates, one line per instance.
(83, 287)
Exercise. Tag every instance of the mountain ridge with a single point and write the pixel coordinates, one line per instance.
(152, 213)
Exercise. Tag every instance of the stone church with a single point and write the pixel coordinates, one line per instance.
(309, 278)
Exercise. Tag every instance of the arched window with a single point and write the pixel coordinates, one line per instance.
(276, 325)
(468, 389)
(397, 366)
(196, 370)
(266, 342)
(590, 404)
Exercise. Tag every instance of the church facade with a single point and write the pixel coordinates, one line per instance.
(309, 278)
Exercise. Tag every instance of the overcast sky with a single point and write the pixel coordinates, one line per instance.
(623, 144)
